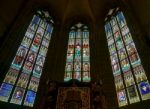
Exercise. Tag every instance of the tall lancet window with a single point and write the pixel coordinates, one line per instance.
(21, 82)
(78, 54)
(130, 79)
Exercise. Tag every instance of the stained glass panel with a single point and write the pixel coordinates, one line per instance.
(37, 71)
(77, 75)
(144, 88)
(23, 80)
(140, 74)
(26, 42)
(26, 68)
(122, 99)
(30, 97)
(78, 54)
(133, 94)
(11, 76)
(40, 60)
(29, 33)
(19, 58)
(108, 30)
(5, 91)
(86, 76)
(17, 95)
(68, 76)
(119, 82)
(121, 19)
(129, 75)
(33, 85)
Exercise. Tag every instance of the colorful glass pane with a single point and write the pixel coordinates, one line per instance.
(140, 74)
(118, 82)
(33, 85)
(128, 72)
(23, 80)
(30, 97)
(26, 68)
(122, 99)
(133, 94)
(78, 54)
(5, 91)
(19, 58)
(144, 88)
(17, 95)
(11, 76)
(128, 77)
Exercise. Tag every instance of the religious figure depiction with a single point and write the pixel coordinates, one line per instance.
(20, 56)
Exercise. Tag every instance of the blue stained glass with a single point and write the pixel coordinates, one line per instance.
(5, 88)
(107, 27)
(35, 20)
(144, 87)
(5, 91)
(72, 34)
(49, 28)
(30, 97)
(121, 17)
(85, 34)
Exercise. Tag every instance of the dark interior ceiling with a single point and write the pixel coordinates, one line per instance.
(61, 10)
(68, 9)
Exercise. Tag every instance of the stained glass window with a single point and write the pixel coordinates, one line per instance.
(23, 76)
(78, 54)
(130, 79)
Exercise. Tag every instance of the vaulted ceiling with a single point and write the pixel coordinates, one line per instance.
(74, 10)
(61, 10)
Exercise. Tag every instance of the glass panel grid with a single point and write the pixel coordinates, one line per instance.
(23, 76)
(78, 58)
(130, 78)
